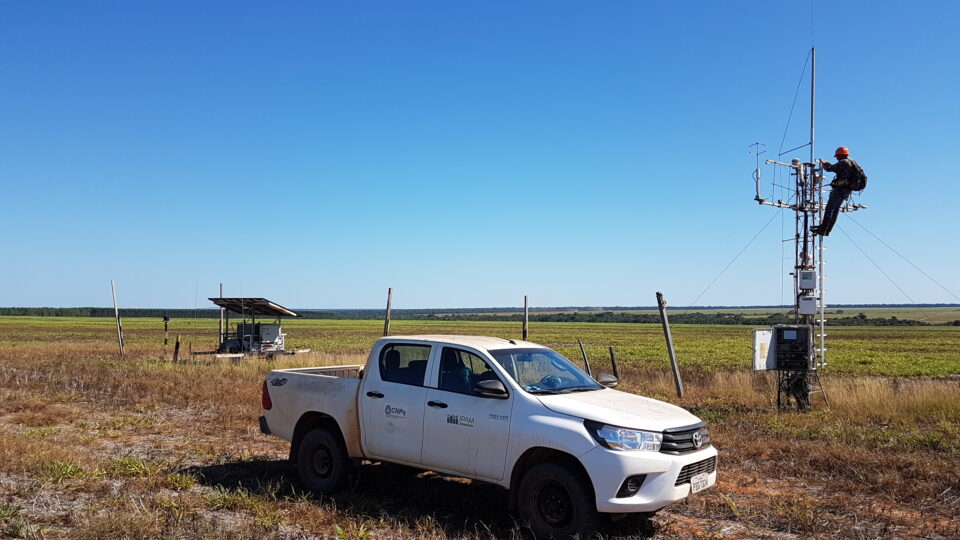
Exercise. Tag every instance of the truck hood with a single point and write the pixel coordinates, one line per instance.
(620, 409)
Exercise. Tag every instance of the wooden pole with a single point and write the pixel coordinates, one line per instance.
(666, 333)
(613, 362)
(176, 350)
(116, 312)
(586, 361)
(386, 320)
(220, 339)
(526, 317)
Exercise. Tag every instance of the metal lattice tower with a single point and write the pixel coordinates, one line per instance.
(800, 381)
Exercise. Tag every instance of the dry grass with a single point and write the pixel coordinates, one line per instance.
(95, 447)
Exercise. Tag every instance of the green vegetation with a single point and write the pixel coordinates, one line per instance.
(841, 315)
(9, 511)
(129, 466)
(179, 481)
(59, 470)
(891, 351)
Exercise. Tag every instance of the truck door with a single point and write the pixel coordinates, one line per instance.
(465, 432)
(392, 402)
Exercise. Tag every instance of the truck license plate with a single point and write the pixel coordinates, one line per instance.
(699, 482)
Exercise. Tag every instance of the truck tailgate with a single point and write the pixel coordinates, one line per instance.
(295, 392)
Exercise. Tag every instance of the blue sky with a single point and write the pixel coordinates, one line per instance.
(465, 154)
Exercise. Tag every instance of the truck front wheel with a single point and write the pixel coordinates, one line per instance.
(322, 462)
(555, 504)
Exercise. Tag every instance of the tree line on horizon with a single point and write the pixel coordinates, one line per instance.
(487, 314)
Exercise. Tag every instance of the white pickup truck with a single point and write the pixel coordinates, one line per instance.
(509, 412)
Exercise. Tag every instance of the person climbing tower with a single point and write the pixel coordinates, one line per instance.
(850, 178)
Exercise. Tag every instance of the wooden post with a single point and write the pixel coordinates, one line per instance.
(176, 350)
(586, 362)
(526, 317)
(613, 362)
(116, 311)
(220, 339)
(166, 335)
(666, 332)
(386, 320)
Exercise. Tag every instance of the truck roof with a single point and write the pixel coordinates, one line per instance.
(477, 342)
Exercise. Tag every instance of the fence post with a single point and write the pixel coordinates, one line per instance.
(662, 304)
(586, 361)
(526, 317)
(386, 320)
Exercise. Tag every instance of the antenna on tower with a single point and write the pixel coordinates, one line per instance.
(759, 149)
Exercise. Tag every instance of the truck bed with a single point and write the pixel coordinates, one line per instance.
(348, 372)
(330, 391)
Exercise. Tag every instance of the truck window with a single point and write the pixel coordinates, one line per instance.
(460, 370)
(404, 363)
(543, 371)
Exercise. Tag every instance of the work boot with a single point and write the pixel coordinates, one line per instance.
(815, 229)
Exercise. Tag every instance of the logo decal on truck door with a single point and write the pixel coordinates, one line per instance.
(465, 421)
(394, 412)
(278, 381)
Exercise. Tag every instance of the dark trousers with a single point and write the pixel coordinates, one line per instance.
(837, 196)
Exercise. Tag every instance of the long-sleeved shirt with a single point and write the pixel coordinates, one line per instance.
(845, 169)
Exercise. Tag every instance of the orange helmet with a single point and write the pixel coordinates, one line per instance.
(842, 151)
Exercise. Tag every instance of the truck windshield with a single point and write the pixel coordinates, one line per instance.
(543, 371)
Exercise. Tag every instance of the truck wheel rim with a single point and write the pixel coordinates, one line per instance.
(554, 504)
(322, 462)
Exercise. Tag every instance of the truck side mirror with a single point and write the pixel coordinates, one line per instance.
(608, 380)
(490, 389)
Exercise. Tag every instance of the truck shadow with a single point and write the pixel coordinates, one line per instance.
(415, 498)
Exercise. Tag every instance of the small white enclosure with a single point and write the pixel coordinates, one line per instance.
(764, 355)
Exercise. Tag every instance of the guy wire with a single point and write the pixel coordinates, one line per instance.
(733, 260)
(917, 268)
(876, 265)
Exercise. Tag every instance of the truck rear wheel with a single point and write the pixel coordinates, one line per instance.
(555, 504)
(322, 462)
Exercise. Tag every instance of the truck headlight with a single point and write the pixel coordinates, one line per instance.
(618, 438)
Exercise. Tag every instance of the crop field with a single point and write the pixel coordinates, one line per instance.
(94, 446)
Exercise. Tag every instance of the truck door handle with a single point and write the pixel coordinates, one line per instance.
(377, 395)
(437, 404)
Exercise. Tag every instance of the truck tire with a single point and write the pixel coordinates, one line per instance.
(554, 503)
(322, 462)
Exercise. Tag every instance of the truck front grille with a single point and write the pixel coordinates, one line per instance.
(684, 440)
(689, 471)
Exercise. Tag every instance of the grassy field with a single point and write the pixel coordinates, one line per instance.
(896, 351)
(92, 446)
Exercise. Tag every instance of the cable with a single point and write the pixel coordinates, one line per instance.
(795, 96)
(917, 268)
(783, 307)
(734, 259)
(877, 265)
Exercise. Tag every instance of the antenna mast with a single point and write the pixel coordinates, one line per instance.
(796, 351)
(813, 96)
